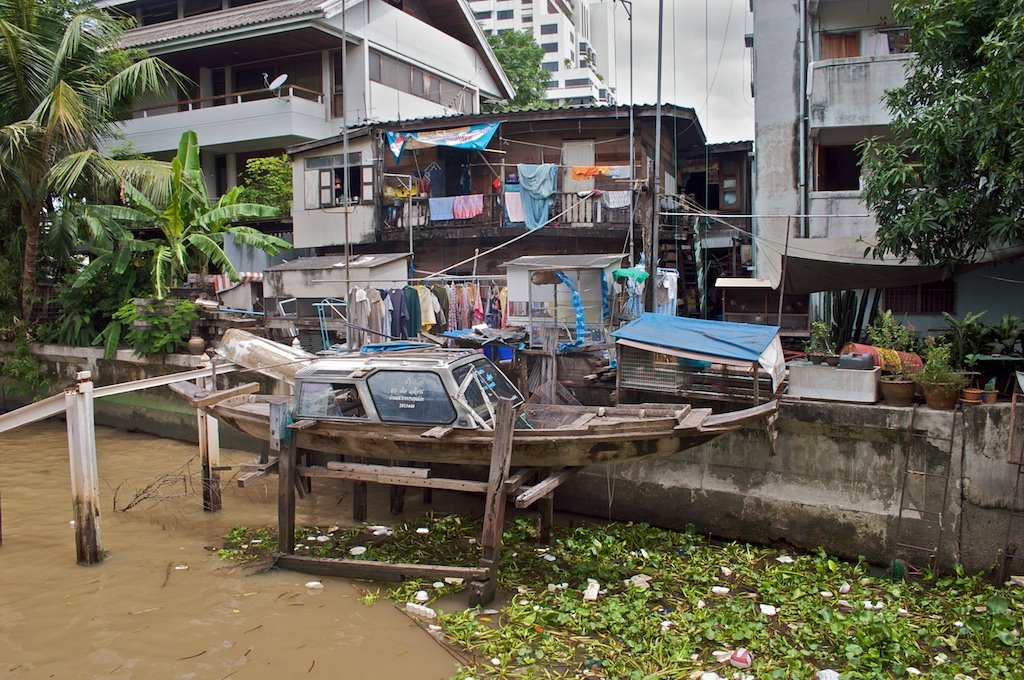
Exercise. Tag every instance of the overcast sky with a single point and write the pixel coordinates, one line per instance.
(702, 53)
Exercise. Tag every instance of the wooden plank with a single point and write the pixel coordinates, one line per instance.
(545, 486)
(286, 499)
(437, 432)
(581, 421)
(255, 471)
(482, 590)
(397, 480)
(211, 398)
(379, 571)
(735, 419)
(369, 468)
(693, 420)
(302, 424)
(518, 478)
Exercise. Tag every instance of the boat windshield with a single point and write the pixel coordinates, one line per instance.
(494, 382)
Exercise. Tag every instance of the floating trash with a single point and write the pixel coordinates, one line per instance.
(357, 550)
(421, 596)
(726, 571)
(453, 580)
(331, 529)
(913, 671)
(422, 530)
(593, 588)
(434, 628)
(827, 594)
(422, 611)
(826, 674)
(496, 661)
(741, 658)
(314, 585)
(438, 584)
(845, 588)
(768, 610)
(311, 538)
(181, 567)
(721, 656)
(641, 581)
(784, 559)
(720, 590)
(323, 539)
(665, 625)
(549, 557)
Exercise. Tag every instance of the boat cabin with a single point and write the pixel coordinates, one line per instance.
(429, 387)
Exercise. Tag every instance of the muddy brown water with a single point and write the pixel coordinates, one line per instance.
(138, 615)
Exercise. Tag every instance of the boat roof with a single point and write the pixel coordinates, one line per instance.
(350, 362)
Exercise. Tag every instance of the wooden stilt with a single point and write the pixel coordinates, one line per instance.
(84, 477)
(282, 440)
(209, 451)
(545, 511)
(359, 511)
(482, 592)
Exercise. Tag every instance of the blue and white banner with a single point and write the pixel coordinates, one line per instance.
(467, 137)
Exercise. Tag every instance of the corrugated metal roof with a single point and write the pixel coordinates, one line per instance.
(598, 261)
(338, 262)
(236, 17)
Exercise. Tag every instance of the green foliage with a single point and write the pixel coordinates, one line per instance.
(821, 338)
(889, 333)
(167, 325)
(268, 181)
(947, 627)
(1005, 336)
(192, 230)
(950, 184)
(520, 57)
(965, 337)
(22, 368)
(938, 366)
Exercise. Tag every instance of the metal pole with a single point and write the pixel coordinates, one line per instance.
(344, 146)
(782, 273)
(628, 6)
(84, 478)
(652, 241)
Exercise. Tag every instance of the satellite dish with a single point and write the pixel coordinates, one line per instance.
(277, 82)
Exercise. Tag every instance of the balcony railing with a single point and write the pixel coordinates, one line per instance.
(241, 97)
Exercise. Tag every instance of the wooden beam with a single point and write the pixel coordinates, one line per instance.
(397, 480)
(254, 471)
(84, 477)
(285, 489)
(377, 571)
(544, 487)
(209, 446)
(211, 398)
(369, 468)
(482, 591)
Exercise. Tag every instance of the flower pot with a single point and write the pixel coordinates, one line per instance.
(990, 396)
(972, 395)
(196, 345)
(898, 392)
(832, 360)
(940, 395)
(816, 359)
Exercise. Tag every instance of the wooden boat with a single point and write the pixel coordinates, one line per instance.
(437, 405)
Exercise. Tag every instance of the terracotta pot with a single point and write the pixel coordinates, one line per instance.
(940, 395)
(832, 359)
(816, 359)
(972, 394)
(196, 345)
(898, 392)
(990, 396)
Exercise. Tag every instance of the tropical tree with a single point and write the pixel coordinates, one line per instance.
(192, 231)
(268, 180)
(950, 185)
(520, 57)
(63, 83)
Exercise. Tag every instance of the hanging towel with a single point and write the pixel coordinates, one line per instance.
(442, 208)
(538, 185)
(616, 199)
(468, 206)
(620, 172)
(514, 207)
(589, 171)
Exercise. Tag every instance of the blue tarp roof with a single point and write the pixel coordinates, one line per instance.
(743, 341)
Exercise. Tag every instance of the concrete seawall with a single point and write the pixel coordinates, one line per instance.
(836, 481)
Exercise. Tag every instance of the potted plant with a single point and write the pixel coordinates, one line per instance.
(940, 383)
(989, 394)
(893, 340)
(818, 344)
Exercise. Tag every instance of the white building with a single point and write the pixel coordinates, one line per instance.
(821, 69)
(577, 37)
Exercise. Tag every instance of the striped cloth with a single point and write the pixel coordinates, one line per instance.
(223, 282)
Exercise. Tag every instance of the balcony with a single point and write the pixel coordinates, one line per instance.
(839, 214)
(297, 115)
(848, 92)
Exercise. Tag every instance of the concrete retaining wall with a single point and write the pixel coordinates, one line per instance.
(835, 483)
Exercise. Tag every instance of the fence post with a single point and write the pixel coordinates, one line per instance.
(84, 477)
(209, 451)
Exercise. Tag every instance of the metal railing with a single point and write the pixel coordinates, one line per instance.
(241, 97)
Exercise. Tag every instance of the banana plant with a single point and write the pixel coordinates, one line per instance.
(192, 230)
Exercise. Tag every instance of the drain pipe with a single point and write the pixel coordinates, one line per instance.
(802, 123)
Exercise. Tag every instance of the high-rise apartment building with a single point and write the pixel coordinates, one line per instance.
(578, 38)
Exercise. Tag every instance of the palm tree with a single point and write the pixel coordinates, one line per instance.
(192, 231)
(62, 85)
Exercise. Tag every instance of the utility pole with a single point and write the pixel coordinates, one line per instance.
(652, 239)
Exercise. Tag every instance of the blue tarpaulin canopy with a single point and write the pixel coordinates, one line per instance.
(738, 344)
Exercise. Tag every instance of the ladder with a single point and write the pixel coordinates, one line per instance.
(914, 502)
(1015, 457)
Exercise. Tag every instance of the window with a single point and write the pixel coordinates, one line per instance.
(840, 45)
(549, 29)
(194, 7)
(482, 15)
(925, 298)
(159, 12)
(396, 74)
(527, 18)
(838, 168)
(325, 181)
(577, 82)
(493, 381)
(333, 399)
(411, 397)
(552, 85)
(549, 66)
(550, 47)
(505, 14)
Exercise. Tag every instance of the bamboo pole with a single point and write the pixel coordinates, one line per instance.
(84, 479)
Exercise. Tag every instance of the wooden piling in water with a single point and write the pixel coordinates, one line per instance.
(84, 477)
(209, 450)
